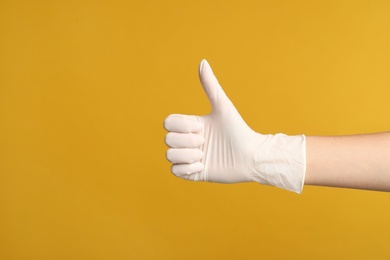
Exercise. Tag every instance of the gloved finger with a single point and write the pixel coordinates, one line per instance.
(186, 155)
(183, 123)
(183, 170)
(211, 85)
(177, 140)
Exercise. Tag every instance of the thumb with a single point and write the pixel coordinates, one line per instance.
(211, 86)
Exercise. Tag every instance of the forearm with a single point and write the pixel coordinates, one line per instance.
(356, 161)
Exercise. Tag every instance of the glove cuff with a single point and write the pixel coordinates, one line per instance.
(280, 160)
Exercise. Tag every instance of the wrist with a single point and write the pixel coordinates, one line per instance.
(279, 160)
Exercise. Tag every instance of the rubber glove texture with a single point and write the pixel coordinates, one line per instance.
(221, 147)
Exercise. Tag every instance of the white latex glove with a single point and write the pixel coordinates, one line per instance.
(221, 147)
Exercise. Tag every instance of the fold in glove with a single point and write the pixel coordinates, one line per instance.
(221, 147)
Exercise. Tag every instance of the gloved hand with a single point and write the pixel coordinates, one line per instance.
(221, 147)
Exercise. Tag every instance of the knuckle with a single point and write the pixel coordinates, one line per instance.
(168, 139)
(166, 123)
(169, 155)
(175, 170)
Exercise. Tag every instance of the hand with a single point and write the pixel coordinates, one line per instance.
(221, 147)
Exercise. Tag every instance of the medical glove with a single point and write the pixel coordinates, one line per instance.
(221, 147)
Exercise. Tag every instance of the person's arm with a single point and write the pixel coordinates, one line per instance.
(353, 161)
(221, 147)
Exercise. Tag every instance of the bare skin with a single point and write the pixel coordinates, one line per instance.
(354, 161)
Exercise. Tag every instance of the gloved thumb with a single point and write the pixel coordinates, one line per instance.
(211, 86)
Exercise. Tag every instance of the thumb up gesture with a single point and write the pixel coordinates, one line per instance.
(221, 147)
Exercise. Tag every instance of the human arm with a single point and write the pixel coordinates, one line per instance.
(351, 161)
(221, 147)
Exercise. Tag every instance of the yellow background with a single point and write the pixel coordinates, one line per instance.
(86, 85)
